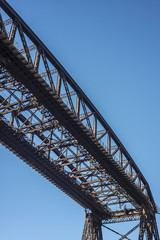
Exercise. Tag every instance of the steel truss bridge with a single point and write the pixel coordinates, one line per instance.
(48, 122)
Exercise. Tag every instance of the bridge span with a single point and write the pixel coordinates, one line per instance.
(49, 122)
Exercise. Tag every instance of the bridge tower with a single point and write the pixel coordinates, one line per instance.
(92, 228)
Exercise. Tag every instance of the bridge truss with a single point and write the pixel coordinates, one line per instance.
(48, 122)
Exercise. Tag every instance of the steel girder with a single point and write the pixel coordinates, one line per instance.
(41, 103)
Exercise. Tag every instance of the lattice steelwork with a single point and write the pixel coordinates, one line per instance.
(47, 120)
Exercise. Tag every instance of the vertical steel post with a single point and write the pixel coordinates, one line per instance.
(148, 227)
(36, 61)
(141, 228)
(92, 228)
(77, 106)
(120, 158)
(95, 125)
(109, 143)
(13, 32)
(58, 88)
(130, 170)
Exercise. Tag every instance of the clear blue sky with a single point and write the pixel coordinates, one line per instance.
(112, 50)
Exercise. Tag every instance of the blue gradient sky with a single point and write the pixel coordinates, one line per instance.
(112, 50)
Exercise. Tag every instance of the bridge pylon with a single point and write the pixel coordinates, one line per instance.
(92, 228)
(148, 227)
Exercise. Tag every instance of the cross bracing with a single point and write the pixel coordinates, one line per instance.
(48, 121)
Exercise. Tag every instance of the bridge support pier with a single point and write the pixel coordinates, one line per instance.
(92, 228)
(148, 226)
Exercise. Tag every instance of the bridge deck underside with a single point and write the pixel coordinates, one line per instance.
(19, 146)
(47, 120)
(23, 72)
